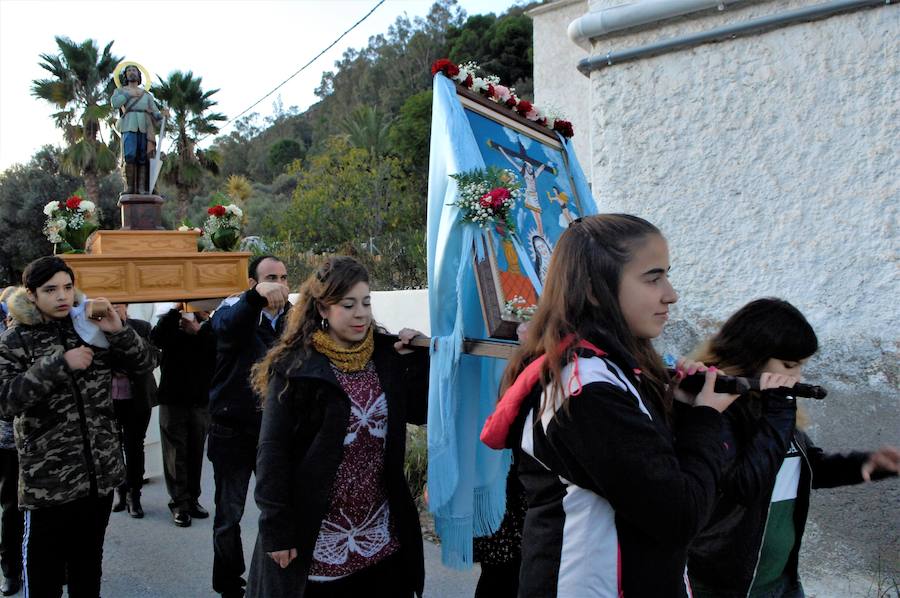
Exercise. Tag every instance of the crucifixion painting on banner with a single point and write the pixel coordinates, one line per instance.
(549, 204)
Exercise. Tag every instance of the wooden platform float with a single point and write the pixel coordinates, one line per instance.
(145, 266)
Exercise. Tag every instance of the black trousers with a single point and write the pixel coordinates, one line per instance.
(499, 581)
(385, 578)
(64, 544)
(232, 452)
(11, 521)
(133, 418)
(183, 432)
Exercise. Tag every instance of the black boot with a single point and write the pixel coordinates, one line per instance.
(119, 505)
(181, 517)
(197, 511)
(129, 178)
(142, 178)
(133, 501)
(138, 183)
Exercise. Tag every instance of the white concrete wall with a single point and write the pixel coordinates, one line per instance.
(771, 164)
(555, 58)
(402, 309)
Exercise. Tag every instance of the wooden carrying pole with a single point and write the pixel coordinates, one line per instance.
(482, 347)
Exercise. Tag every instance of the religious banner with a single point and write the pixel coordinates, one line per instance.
(503, 185)
(514, 268)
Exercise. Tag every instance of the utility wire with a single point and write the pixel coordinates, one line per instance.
(300, 70)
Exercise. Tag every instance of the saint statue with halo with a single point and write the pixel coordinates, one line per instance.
(139, 117)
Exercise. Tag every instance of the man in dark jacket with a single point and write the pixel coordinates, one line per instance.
(188, 356)
(245, 327)
(134, 397)
(55, 378)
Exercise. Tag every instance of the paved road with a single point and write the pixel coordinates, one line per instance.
(151, 558)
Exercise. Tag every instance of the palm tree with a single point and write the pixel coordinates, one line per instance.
(183, 95)
(80, 87)
(367, 128)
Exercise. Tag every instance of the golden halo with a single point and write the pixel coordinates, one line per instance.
(146, 77)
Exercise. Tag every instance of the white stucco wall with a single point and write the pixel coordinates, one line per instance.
(402, 309)
(771, 164)
(554, 61)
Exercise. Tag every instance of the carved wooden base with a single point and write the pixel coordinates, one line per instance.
(141, 212)
(147, 279)
(146, 266)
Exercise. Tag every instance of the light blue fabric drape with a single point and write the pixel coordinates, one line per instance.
(466, 480)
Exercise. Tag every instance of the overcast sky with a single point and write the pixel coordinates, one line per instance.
(244, 48)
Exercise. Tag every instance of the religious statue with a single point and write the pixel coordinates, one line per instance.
(138, 121)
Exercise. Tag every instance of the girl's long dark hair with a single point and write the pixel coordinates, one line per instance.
(764, 329)
(581, 297)
(324, 287)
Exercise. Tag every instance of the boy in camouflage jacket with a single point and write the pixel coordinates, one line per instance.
(57, 387)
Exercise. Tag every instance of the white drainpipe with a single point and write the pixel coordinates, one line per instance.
(730, 31)
(634, 14)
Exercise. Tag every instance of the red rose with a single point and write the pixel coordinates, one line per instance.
(511, 102)
(489, 92)
(485, 200)
(498, 195)
(501, 193)
(564, 128)
(217, 211)
(73, 202)
(444, 66)
(523, 107)
(468, 82)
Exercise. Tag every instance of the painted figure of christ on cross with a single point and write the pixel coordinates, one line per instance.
(530, 169)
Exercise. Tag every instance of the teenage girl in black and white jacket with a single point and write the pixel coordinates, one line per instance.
(617, 482)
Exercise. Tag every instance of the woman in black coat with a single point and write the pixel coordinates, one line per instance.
(336, 514)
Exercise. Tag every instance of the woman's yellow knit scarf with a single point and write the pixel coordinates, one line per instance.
(353, 359)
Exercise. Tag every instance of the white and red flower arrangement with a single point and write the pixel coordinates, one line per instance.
(486, 197)
(223, 225)
(467, 75)
(71, 222)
